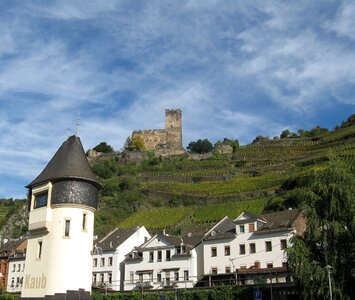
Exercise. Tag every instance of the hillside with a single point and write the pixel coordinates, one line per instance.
(185, 195)
(182, 195)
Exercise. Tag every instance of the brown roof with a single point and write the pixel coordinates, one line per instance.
(279, 220)
(69, 162)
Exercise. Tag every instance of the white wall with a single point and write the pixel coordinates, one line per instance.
(118, 255)
(175, 264)
(15, 275)
(66, 262)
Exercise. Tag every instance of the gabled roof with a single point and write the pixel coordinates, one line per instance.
(279, 220)
(115, 238)
(192, 241)
(245, 217)
(69, 162)
(226, 225)
(11, 246)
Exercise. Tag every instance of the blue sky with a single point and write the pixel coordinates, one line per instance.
(237, 69)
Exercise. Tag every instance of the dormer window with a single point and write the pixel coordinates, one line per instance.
(241, 229)
(40, 200)
(111, 244)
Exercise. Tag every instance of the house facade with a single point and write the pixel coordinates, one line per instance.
(109, 253)
(164, 262)
(250, 244)
(15, 274)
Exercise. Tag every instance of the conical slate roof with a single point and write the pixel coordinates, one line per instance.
(69, 162)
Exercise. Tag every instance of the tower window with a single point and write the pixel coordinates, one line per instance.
(40, 200)
(39, 250)
(84, 222)
(67, 228)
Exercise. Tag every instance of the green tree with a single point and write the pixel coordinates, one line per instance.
(285, 134)
(329, 238)
(135, 143)
(200, 146)
(103, 147)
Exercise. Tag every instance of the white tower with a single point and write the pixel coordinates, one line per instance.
(62, 202)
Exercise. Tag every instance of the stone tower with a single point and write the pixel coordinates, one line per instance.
(173, 128)
(62, 202)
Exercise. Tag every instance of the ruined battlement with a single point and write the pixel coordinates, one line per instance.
(166, 141)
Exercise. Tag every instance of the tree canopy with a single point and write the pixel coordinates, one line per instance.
(103, 147)
(330, 237)
(135, 143)
(200, 146)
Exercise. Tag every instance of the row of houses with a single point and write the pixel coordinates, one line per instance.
(234, 251)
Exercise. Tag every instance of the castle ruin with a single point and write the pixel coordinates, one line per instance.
(166, 141)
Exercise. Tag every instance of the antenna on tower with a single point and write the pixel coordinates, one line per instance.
(77, 124)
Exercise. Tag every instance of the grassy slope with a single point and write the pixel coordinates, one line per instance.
(177, 193)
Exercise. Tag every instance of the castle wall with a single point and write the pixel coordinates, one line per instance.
(166, 141)
(151, 138)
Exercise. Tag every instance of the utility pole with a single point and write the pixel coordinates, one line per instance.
(329, 270)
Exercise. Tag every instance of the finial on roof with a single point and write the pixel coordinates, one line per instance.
(78, 124)
(68, 133)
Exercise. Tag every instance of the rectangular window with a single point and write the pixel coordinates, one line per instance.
(268, 246)
(39, 250)
(109, 278)
(84, 222)
(40, 200)
(110, 259)
(213, 271)
(140, 277)
(102, 262)
(159, 277)
(176, 276)
(213, 251)
(241, 229)
(251, 227)
(283, 244)
(131, 277)
(12, 282)
(13, 268)
(228, 269)
(186, 275)
(102, 278)
(227, 250)
(151, 276)
(241, 249)
(159, 255)
(95, 262)
(18, 267)
(94, 278)
(168, 256)
(151, 256)
(269, 265)
(252, 248)
(67, 228)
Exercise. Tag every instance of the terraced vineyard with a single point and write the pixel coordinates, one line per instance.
(182, 192)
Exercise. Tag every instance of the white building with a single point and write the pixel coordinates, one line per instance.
(63, 199)
(164, 262)
(109, 253)
(248, 245)
(15, 274)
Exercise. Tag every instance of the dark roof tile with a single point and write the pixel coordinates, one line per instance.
(68, 162)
